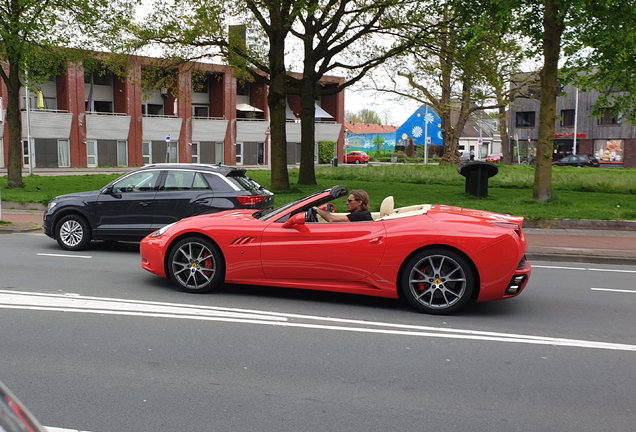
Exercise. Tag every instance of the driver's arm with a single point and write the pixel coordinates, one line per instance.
(330, 217)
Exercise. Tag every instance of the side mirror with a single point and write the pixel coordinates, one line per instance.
(297, 219)
(328, 207)
(109, 190)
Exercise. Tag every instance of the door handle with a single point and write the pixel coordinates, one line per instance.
(377, 240)
(144, 203)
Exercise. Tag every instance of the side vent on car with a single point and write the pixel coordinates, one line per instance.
(508, 225)
(242, 241)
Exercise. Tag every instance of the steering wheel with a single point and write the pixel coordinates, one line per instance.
(311, 215)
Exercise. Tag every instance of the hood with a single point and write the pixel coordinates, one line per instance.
(450, 213)
(84, 196)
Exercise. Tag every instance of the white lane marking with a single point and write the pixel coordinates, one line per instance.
(105, 306)
(65, 256)
(584, 268)
(56, 429)
(612, 270)
(614, 290)
(557, 267)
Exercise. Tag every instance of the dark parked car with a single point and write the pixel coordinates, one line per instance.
(577, 161)
(146, 199)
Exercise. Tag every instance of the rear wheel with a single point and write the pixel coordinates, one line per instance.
(196, 265)
(437, 281)
(73, 233)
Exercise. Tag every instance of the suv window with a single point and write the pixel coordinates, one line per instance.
(142, 181)
(244, 182)
(184, 180)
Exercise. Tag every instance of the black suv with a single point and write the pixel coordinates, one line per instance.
(578, 161)
(146, 199)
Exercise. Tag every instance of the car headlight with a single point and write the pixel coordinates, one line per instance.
(162, 230)
(51, 205)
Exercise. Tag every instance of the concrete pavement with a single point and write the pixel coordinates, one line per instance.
(600, 242)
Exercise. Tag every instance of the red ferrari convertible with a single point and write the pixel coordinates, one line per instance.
(436, 257)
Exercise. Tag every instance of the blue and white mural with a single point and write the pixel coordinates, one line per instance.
(423, 121)
(369, 142)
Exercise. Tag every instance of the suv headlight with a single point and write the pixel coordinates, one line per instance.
(51, 205)
(162, 230)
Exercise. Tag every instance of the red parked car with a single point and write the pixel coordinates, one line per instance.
(494, 157)
(357, 157)
(437, 257)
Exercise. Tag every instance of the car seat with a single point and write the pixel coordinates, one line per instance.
(386, 208)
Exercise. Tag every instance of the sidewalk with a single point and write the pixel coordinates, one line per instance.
(601, 242)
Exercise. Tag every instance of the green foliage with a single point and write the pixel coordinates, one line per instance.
(510, 191)
(326, 151)
(365, 115)
(580, 193)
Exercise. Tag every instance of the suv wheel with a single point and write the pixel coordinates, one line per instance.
(73, 233)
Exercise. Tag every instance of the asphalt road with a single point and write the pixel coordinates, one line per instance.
(90, 341)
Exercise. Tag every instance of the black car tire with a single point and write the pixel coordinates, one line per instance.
(196, 265)
(73, 232)
(437, 281)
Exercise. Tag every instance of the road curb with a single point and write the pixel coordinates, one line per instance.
(593, 224)
(587, 259)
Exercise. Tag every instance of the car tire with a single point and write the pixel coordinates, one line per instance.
(196, 265)
(73, 233)
(357, 161)
(426, 283)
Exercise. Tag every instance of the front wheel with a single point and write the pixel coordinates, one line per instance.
(195, 265)
(73, 233)
(357, 161)
(437, 281)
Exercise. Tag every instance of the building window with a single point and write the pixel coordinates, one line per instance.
(567, 117)
(103, 106)
(151, 109)
(195, 152)
(146, 152)
(607, 118)
(525, 119)
(63, 153)
(122, 153)
(200, 111)
(242, 89)
(200, 85)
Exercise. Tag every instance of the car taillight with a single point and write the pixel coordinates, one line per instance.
(249, 200)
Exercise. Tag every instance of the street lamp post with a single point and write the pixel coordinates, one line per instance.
(576, 116)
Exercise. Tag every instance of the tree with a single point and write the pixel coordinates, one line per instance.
(190, 30)
(446, 69)
(365, 115)
(35, 37)
(349, 35)
(598, 44)
(379, 142)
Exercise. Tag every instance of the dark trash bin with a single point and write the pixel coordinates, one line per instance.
(334, 161)
(477, 174)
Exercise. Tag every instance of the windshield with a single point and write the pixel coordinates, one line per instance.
(268, 214)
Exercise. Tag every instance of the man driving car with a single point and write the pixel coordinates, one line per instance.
(357, 205)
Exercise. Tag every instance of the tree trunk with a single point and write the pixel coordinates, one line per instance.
(277, 107)
(307, 173)
(553, 29)
(14, 120)
(503, 133)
